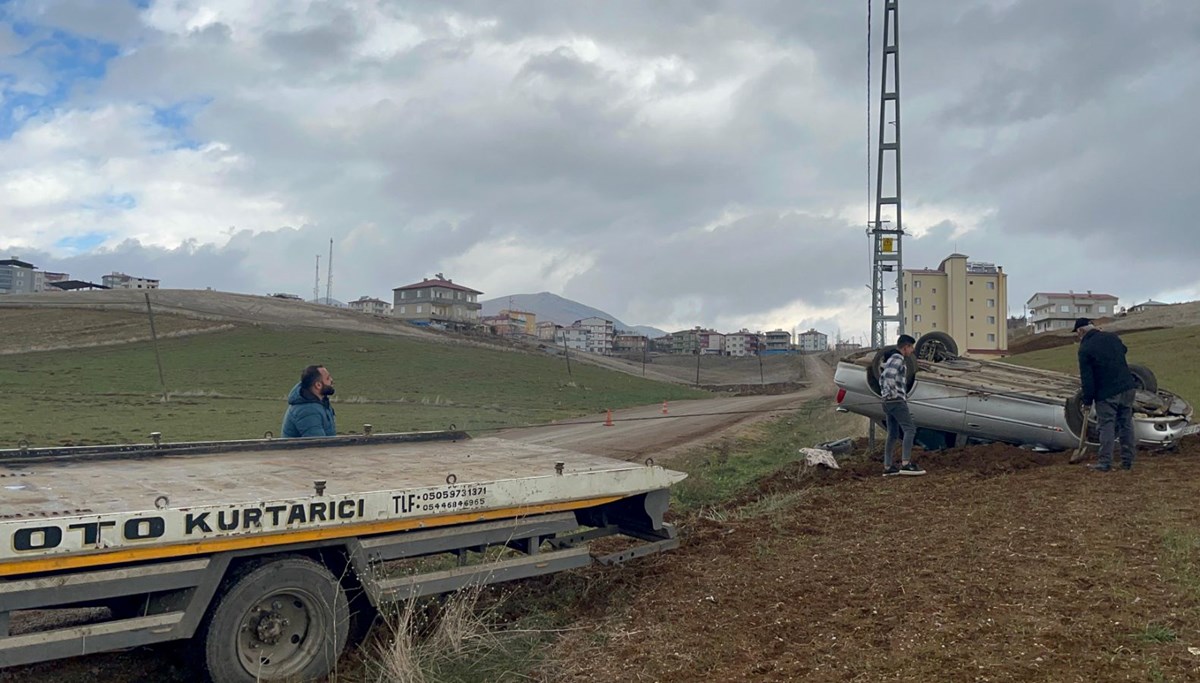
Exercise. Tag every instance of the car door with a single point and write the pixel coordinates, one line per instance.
(1012, 418)
(937, 406)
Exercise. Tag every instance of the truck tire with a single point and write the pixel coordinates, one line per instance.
(281, 619)
(1143, 378)
(936, 347)
(910, 370)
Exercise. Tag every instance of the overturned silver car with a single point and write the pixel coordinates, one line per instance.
(953, 400)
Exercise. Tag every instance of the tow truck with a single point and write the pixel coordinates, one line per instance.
(265, 552)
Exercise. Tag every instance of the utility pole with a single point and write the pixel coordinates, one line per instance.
(329, 276)
(886, 243)
(567, 354)
(317, 282)
(887, 251)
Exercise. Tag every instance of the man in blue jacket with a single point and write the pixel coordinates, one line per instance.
(1107, 384)
(309, 412)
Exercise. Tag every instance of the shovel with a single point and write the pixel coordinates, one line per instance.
(1080, 453)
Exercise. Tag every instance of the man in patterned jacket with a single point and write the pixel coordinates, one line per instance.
(892, 382)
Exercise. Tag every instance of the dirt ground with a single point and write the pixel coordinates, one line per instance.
(998, 565)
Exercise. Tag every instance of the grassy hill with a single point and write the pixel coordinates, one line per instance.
(1173, 354)
(232, 384)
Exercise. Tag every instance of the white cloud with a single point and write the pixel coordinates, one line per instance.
(508, 266)
(673, 164)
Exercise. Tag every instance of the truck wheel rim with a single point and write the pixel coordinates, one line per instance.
(282, 633)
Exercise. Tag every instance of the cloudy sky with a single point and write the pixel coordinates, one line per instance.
(674, 163)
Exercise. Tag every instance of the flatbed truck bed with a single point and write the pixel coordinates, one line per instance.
(200, 540)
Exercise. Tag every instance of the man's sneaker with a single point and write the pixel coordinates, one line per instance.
(912, 469)
(891, 471)
(1100, 468)
(1126, 467)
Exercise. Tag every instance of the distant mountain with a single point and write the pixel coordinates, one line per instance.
(556, 309)
(329, 302)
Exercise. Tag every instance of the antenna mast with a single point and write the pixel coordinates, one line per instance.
(329, 276)
(886, 240)
(317, 282)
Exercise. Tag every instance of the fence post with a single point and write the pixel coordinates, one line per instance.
(157, 356)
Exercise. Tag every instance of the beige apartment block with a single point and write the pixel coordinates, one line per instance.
(966, 299)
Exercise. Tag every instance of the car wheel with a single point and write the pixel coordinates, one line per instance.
(1074, 414)
(1143, 378)
(281, 619)
(910, 370)
(936, 347)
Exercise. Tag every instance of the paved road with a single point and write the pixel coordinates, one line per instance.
(644, 432)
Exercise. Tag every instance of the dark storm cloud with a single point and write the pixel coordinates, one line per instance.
(699, 158)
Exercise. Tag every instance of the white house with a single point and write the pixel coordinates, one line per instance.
(600, 334)
(741, 343)
(812, 342)
(1058, 311)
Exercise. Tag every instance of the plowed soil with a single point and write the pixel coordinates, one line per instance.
(998, 565)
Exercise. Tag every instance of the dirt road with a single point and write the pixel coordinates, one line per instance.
(645, 432)
(714, 370)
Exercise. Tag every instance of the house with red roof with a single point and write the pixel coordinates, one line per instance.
(437, 302)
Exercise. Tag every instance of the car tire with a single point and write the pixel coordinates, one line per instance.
(935, 347)
(910, 370)
(292, 602)
(1143, 378)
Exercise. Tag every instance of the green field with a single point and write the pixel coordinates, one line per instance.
(1173, 354)
(233, 385)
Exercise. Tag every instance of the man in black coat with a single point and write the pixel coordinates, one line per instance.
(1108, 385)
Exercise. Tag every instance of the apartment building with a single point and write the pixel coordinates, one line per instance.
(600, 334)
(573, 338)
(776, 342)
(16, 277)
(546, 330)
(629, 343)
(524, 323)
(742, 343)
(46, 280)
(812, 342)
(1057, 311)
(686, 341)
(115, 280)
(966, 299)
(711, 342)
(366, 304)
(437, 302)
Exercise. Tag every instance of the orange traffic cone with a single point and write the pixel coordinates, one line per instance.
(608, 420)
(664, 407)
